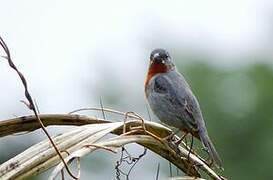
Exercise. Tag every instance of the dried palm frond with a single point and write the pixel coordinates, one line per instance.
(91, 136)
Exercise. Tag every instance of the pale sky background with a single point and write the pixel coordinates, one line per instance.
(66, 48)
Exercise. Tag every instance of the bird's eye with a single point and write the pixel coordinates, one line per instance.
(166, 56)
(157, 55)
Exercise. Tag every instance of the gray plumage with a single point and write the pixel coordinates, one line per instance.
(173, 102)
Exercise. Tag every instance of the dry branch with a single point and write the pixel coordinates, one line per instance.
(41, 156)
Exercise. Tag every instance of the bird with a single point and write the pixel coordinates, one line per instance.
(173, 102)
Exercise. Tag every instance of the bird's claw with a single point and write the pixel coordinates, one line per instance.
(170, 137)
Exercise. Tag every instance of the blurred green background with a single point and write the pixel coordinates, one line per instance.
(74, 52)
(237, 106)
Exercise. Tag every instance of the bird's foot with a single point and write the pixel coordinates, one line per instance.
(178, 142)
(170, 138)
(174, 147)
(208, 161)
(174, 142)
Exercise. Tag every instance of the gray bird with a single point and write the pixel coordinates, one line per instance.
(173, 102)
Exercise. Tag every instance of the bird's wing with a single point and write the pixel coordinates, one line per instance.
(187, 109)
(192, 113)
(191, 107)
(180, 98)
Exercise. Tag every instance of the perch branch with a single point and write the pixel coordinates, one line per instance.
(64, 141)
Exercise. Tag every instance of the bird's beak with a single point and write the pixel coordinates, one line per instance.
(169, 59)
(158, 61)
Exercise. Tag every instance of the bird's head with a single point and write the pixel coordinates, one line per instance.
(160, 62)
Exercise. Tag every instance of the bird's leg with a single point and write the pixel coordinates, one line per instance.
(169, 137)
(186, 142)
(181, 139)
(175, 143)
(190, 151)
(190, 147)
(208, 161)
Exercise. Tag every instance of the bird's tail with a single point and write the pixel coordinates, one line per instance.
(211, 149)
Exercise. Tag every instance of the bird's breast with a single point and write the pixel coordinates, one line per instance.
(153, 70)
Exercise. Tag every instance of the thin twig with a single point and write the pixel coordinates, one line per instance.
(102, 109)
(105, 110)
(157, 172)
(127, 158)
(31, 104)
(101, 147)
(170, 168)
